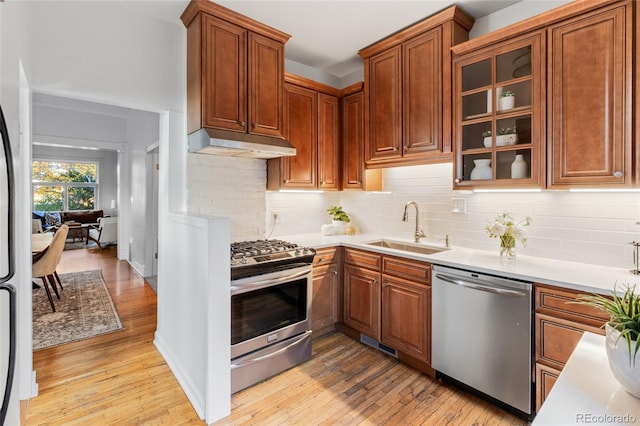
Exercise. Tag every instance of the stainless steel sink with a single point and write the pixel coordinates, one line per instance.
(406, 246)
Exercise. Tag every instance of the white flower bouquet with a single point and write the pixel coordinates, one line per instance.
(508, 231)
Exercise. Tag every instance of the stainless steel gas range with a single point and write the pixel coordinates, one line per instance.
(271, 287)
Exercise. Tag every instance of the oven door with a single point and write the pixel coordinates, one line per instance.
(269, 308)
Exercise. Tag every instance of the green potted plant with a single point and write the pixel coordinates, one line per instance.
(339, 219)
(507, 100)
(507, 136)
(623, 334)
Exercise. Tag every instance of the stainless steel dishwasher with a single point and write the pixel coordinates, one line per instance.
(481, 334)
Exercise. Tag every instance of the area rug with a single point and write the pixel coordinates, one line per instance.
(85, 309)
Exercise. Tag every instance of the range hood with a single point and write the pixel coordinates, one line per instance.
(220, 142)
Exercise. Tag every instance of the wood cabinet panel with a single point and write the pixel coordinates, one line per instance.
(299, 171)
(328, 142)
(325, 256)
(406, 318)
(324, 309)
(409, 269)
(593, 51)
(422, 93)
(362, 300)
(362, 258)
(385, 105)
(353, 140)
(224, 82)
(546, 377)
(562, 303)
(557, 338)
(266, 81)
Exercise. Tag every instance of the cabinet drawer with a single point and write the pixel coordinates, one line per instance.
(557, 338)
(362, 258)
(325, 256)
(561, 303)
(546, 377)
(409, 269)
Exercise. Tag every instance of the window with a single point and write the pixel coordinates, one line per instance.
(62, 185)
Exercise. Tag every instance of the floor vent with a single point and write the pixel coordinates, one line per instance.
(377, 345)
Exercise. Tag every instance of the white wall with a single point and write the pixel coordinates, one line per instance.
(142, 131)
(584, 227)
(231, 187)
(107, 166)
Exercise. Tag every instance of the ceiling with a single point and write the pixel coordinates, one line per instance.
(327, 34)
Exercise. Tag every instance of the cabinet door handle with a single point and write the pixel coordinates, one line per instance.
(617, 174)
(241, 123)
(385, 284)
(254, 125)
(457, 180)
(334, 272)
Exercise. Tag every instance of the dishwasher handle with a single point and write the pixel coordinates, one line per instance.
(478, 285)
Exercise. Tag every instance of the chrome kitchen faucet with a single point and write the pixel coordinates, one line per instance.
(419, 233)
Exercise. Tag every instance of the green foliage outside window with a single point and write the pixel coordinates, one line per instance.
(58, 183)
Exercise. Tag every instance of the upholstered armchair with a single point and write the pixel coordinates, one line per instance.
(106, 232)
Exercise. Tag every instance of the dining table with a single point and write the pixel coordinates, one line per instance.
(40, 242)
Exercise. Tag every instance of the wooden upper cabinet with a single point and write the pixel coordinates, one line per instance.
(224, 82)
(353, 140)
(266, 80)
(583, 103)
(422, 93)
(301, 107)
(328, 142)
(385, 105)
(312, 126)
(354, 174)
(408, 91)
(492, 135)
(590, 99)
(235, 73)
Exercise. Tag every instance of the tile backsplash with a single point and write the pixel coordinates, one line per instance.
(593, 227)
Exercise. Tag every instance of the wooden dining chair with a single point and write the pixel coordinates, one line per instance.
(45, 267)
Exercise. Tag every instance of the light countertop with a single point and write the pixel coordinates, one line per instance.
(586, 391)
(574, 275)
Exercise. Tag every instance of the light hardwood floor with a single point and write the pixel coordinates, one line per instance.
(120, 378)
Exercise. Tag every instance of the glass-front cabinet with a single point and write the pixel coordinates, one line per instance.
(499, 115)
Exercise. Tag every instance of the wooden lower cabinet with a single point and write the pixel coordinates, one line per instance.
(545, 379)
(389, 299)
(559, 324)
(406, 319)
(325, 298)
(362, 300)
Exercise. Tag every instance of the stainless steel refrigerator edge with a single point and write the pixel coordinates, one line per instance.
(8, 317)
(481, 329)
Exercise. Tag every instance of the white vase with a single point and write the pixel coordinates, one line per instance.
(625, 370)
(339, 227)
(508, 102)
(487, 142)
(482, 169)
(505, 140)
(519, 168)
(327, 229)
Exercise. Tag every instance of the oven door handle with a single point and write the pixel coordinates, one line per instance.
(256, 285)
(272, 354)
